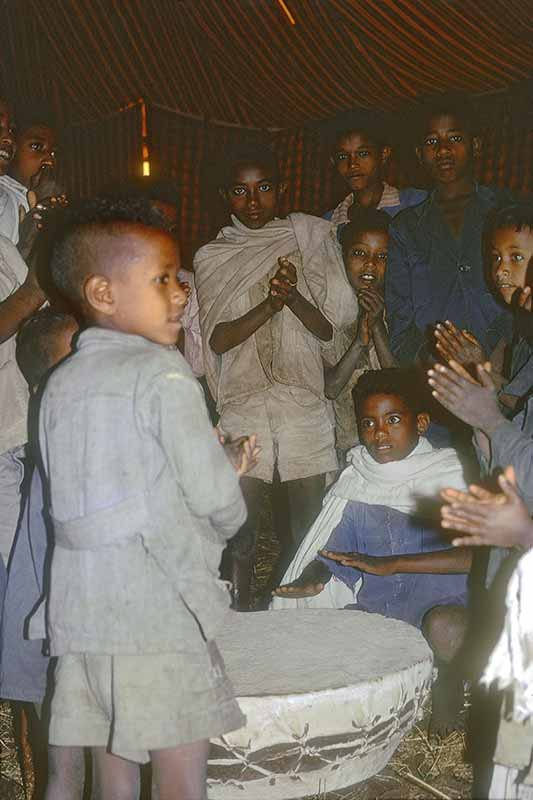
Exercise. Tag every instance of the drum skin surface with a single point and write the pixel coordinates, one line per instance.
(328, 697)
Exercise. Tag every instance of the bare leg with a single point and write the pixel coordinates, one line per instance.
(114, 777)
(445, 629)
(305, 502)
(310, 583)
(238, 558)
(66, 773)
(179, 773)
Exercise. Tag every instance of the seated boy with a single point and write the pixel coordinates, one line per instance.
(373, 525)
(435, 265)
(142, 499)
(365, 344)
(42, 342)
(360, 154)
(267, 307)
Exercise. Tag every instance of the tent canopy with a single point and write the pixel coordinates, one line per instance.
(242, 62)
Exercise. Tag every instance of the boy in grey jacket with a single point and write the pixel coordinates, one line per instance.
(142, 499)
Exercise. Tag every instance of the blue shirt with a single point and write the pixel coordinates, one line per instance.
(383, 531)
(432, 276)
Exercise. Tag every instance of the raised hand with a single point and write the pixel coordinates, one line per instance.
(474, 402)
(373, 304)
(242, 452)
(283, 284)
(458, 345)
(491, 519)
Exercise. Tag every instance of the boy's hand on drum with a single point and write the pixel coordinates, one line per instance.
(458, 345)
(373, 304)
(471, 401)
(489, 519)
(374, 565)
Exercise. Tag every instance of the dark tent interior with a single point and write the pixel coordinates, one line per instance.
(173, 83)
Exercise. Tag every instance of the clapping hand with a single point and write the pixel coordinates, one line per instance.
(458, 345)
(283, 285)
(487, 518)
(471, 401)
(373, 304)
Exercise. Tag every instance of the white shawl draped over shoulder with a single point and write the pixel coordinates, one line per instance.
(400, 485)
(229, 267)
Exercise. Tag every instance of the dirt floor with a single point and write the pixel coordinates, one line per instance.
(419, 768)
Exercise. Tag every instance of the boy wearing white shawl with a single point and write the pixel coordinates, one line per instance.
(271, 291)
(372, 528)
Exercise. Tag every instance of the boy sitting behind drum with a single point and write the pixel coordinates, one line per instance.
(374, 529)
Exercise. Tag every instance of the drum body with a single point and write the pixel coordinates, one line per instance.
(328, 696)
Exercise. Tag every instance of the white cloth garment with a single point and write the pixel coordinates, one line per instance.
(235, 263)
(511, 662)
(400, 485)
(13, 195)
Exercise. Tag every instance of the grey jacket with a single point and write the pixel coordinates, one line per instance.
(142, 500)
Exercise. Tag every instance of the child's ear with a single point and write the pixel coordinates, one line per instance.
(476, 146)
(422, 423)
(418, 151)
(223, 194)
(282, 188)
(98, 293)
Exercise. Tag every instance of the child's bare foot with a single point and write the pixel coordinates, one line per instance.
(447, 705)
(310, 583)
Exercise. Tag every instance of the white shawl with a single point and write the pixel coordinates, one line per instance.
(228, 268)
(400, 485)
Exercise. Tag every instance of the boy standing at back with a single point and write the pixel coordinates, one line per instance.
(142, 499)
(266, 310)
(435, 265)
(360, 155)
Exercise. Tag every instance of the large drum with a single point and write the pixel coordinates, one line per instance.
(328, 696)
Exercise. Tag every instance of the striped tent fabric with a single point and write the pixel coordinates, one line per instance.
(212, 74)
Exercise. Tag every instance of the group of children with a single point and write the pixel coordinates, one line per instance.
(123, 500)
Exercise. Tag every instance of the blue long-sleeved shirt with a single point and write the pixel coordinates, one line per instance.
(432, 276)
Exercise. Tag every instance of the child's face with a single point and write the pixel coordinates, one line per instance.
(365, 260)
(35, 154)
(359, 161)
(447, 149)
(253, 196)
(510, 259)
(388, 428)
(143, 296)
(7, 138)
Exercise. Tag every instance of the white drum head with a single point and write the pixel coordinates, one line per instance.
(328, 697)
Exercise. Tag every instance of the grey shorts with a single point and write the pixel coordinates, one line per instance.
(135, 704)
(294, 428)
